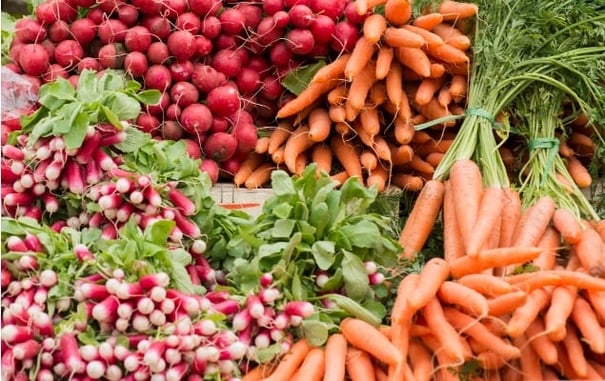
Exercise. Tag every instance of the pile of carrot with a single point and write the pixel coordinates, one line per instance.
(519, 293)
(357, 116)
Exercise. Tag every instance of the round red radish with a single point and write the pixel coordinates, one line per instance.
(111, 30)
(193, 148)
(268, 32)
(259, 64)
(15, 68)
(29, 30)
(220, 146)
(225, 41)
(128, 14)
(252, 14)
(280, 54)
(241, 117)
(54, 71)
(190, 22)
(84, 31)
(148, 7)
(246, 136)
(96, 15)
(272, 6)
(49, 46)
(271, 87)
(137, 39)
(320, 50)
(223, 100)
(352, 16)
(173, 112)
(212, 168)
(54, 10)
(345, 36)
(157, 77)
(174, 8)
(33, 59)
(158, 53)
(219, 124)
(227, 62)
(109, 6)
(68, 53)
(74, 79)
(330, 8)
(300, 41)
(211, 27)
(111, 56)
(205, 8)
(147, 122)
(181, 70)
(172, 130)
(84, 3)
(322, 28)
(265, 108)
(196, 119)
(15, 50)
(184, 93)
(158, 108)
(232, 20)
(135, 64)
(59, 31)
(248, 81)
(159, 27)
(206, 78)
(301, 16)
(181, 44)
(231, 165)
(203, 46)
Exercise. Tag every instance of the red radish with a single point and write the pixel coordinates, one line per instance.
(196, 119)
(300, 41)
(109, 6)
(29, 30)
(148, 7)
(182, 202)
(219, 124)
(68, 345)
(95, 14)
(203, 46)
(252, 14)
(272, 6)
(106, 310)
(223, 100)
(193, 148)
(12, 334)
(59, 31)
(82, 253)
(54, 10)
(158, 53)
(137, 38)
(332, 8)
(189, 21)
(220, 146)
(128, 14)
(73, 80)
(281, 19)
(89, 63)
(159, 27)
(152, 196)
(301, 16)
(135, 64)
(95, 369)
(267, 32)
(171, 130)
(155, 352)
(299, 308)
(84, 31)
(111, 30)
(231, 165)
(26, 350)
(173, 113)
(111, 56)
(16, 199)
(205, 8)
(188, 227)
(345, 36)
(322, 28)
(281, 55)
(158, 108)
(184, 93)
(33, 59)
(232, 21)
(157, 77)
(248, 81)
(159, 279)
(206, 77)
(181, 70)
(212, 168)
(228, 62)
(147, 122)
(271, 88)
(181, 44)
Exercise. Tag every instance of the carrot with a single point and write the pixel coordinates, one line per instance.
(312, 368)
(360, 87)
(559, 310)
(446, 334)
(260, 176)
(458, 87)
(320, 124)
(288, 364)
(259, 372)
(360, 56)
(486, 284)
(523, 316)
(467, 188)
(262, 144)
(337, 113)
(394, 86)
(368, 160)
(363, 6)
(578, 172)
(301, 163)
(407, 182)
(550, 243)
(506, 303)
(587, 322)
(378, 95)
(447, 53)
(297, 143)
(548, 374)
(511, 212)
(568, 225)
(373, 28)
(331, 71)
(452, 36)
(575, 351)
(321, 154)
(434, 272)
(395, 37)
(309, 95)
(544, 347)
(427, 89)
(430, 38)
(433, 110)
(478, 331)
(379, 178)
(366, 337)
(487, 259)
(564, 366)
(599, 227)
(398, 12)
(428, 21)
(561, 277)
(488, 216)
(338, 95)
(434, 158)
(340, 177)
(359, 365)
(466, 298)
(302, 115)
(565, 150)
(421, 360)
(596, 370)
(454, 10)
(452, 243)
(414, 58)
(344, 130)
(421, 220)
(589, 250)
(278, 155)
(536, 221)
(279, 135)
(582, 142)
(347, 156)
(444, 98)
(401, 313)
(369, 121)
(597, 300)
(382, 149)
(252, 161)
(530, 362)
(384, 58)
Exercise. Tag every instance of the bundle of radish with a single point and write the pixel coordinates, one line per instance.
(357, 115)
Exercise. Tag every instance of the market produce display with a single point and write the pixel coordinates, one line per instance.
(436, 207)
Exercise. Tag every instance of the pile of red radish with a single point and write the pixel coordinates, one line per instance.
(218, 63)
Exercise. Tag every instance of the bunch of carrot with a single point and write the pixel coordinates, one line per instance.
(357, 116)
(519, 293)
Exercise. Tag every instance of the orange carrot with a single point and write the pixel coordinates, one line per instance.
(288, 364)
(369, 120)
(414, 58)
(478, 331)
(511, 212)
(559, 310)
(428, 21)
(368, 160)
(568, 225)
(384, 58)
(373, 28)
(587, 322)
(430, 39)
(261, 175)
(344, 130)
(309, 95)
(312, 367)
(444, 98)
(382, 149)
(337, 113)
(279, 135)
(541, 343)
(485, 284)
(575, 351)
(378, 94)
(560, 277)
(454, 10)
(589, 250)
(262, 144)
(523, 316)
(550, 243)
(578, 172)
(360, 87)
(487, 259)
(447, 53)
(335, 358)
(379, 178)
(421, 165)
(434, 272)
(427, 89)
(565, 150)
(320, 124)
(506, 303)
(401, 313)
(338, 95)
(394, 85)
(400, 37)
(407, 182)
(340, 177)
(464, 297)
(252, 161)
(536, 221)
(421, 360)
(452, 36)
(398, 12)
(583, 143)
(301, 163)
(597, 300)
(259, 372)
(452, 243)
(366, 337)
(380, 374)
(458, 87)
(434, 158)
(360, 56)
(296, 144)
(359, 365)
(331, 71)
(530, 362)
(347, 156)
(321, 154)
(421, 220)
(467, 187)
(488, 215)
(445, 333)
(433, 110)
